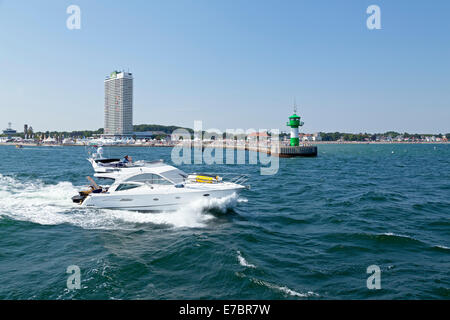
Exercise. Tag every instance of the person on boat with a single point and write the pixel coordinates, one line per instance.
(127, 159)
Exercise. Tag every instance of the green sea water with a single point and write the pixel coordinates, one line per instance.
(308, 232)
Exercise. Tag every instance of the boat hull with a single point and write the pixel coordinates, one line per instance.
(155, 202)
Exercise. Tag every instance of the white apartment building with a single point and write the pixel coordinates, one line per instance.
(119, 104)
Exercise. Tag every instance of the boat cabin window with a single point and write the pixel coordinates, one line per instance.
(175, 175)
(126, 186)
(149, 178)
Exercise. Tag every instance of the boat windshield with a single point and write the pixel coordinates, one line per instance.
(175, 175)
(149, 178)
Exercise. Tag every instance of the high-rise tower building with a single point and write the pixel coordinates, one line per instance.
(119, 103)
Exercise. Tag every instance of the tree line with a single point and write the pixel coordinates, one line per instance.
(335, 136)
(162, 130)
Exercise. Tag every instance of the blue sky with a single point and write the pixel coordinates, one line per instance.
(232, 64)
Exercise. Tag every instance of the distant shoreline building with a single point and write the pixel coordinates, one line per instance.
(9, 131)
(119, 104)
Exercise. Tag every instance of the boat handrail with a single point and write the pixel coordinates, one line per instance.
(240, 179)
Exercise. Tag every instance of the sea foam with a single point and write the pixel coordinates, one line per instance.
(244, 262)
(285, 290)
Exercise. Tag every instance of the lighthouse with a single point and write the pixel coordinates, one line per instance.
(294, 122)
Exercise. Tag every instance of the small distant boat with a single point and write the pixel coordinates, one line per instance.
(19, 146)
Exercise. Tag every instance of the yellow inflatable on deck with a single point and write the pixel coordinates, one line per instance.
(206, 179)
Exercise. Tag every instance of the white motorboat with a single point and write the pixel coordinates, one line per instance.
(101, 164)
(152, 186)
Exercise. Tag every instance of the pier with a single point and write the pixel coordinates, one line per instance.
(297, 151)
(286, 151)
(281, 151)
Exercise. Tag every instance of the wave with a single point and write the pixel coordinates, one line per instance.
(391, 234)
(45, 204)
(386, 236)
(441, 247)
(244, 262)
(390, 237)
(285, 290)
(393, 238)
(377, 196)
(403, 237)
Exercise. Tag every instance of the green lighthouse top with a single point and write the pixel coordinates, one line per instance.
(294, 120)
